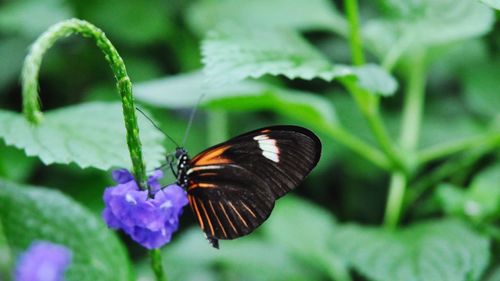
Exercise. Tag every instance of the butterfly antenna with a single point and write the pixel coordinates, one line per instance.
(156, 126)
(191, 118)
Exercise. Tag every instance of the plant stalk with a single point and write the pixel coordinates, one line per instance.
(394, 205)
(157, 265)
(355, 41)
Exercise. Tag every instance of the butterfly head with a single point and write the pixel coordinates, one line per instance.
(180, 152)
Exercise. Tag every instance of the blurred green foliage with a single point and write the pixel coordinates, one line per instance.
(267, 62)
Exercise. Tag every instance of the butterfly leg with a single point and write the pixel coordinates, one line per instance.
(172, 169)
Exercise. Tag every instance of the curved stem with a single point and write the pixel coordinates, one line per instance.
(351, 9)
(31, 105)
(31, 68)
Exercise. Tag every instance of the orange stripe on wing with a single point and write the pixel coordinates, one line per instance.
(228, 219)
(202, 185)
(217, 217)
(249, 210)
(206, 216)
(237, 213)
(211, 157)
(197, 212)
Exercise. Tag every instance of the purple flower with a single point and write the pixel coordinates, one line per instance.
(149, 221)
(43, 261)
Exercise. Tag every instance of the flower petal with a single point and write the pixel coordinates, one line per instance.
(43, 261)
(122, 176)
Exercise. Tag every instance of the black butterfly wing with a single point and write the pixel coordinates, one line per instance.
(232, 186)
(229, 201)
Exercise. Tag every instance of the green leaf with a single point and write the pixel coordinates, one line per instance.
(231, 54)
(481, 87)
(417, 24)
(302, 14)
(480, 202)
(295, 220)
(35, 213)
(90, 135)
(297, 105)
(434, 250)
(495, 4)
(244, 95)
(31, 17)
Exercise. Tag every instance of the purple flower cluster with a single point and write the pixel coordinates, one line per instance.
(149, 221)
(43, 261)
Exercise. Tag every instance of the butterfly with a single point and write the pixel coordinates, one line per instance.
(232, 186)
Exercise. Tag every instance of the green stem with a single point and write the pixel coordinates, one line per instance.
(157, 265)
(384, 140)
(31, 105)
(31, 68)
(414, 102)
(394, 205)
(366, 101)
(410, 131)
(351, 8)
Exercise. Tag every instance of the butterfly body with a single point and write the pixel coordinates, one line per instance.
(232, 186)
(182, 166)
